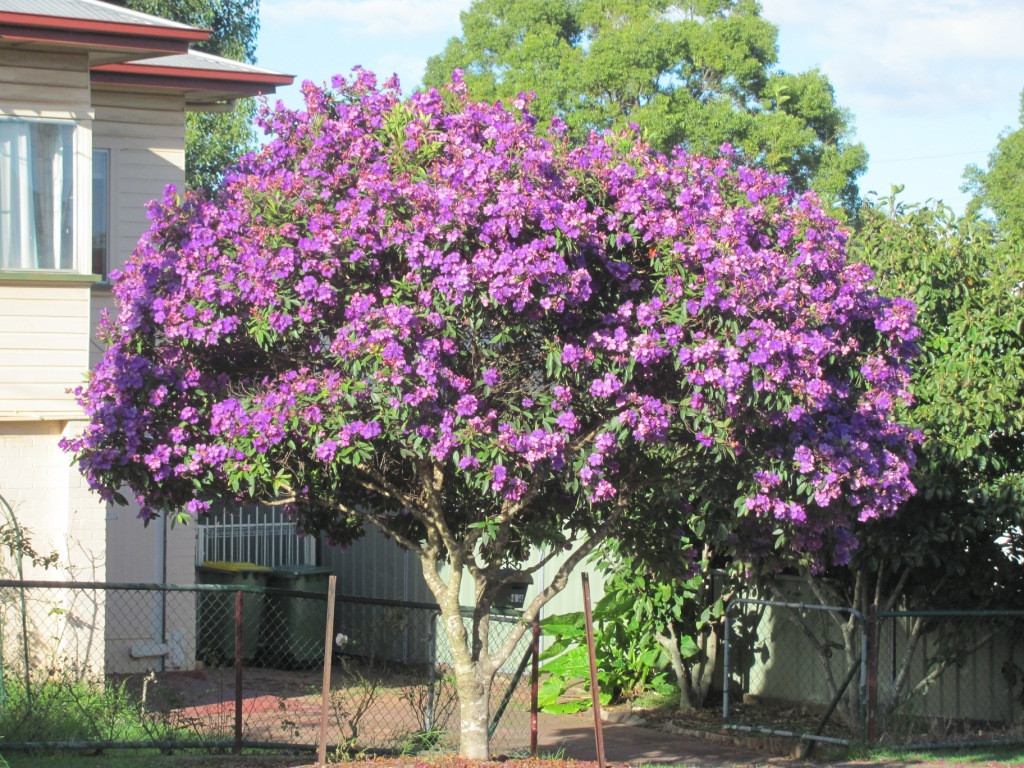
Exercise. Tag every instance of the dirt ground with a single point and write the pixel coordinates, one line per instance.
(373, 708)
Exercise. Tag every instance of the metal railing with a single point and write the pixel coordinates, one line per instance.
(254, 534)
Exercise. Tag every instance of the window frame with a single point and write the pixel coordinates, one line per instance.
(109, 153)
(81, 193)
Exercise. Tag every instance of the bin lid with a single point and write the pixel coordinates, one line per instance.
(225, 566)
(298, 571)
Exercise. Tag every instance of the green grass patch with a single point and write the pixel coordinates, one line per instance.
(994, 755)
(656, 700)
(62, 708)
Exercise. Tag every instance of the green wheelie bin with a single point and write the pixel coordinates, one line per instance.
(293, 626)
(216, 611)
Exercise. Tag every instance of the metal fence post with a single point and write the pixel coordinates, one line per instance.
(325, 692)
(428, 714)
(871, 684)
(595, 691)
(239, 631)
(725, 663)
(534, 687)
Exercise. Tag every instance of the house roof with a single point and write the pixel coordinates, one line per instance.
(125, 49)
(202, 77)
(88, 10)
(107, 32)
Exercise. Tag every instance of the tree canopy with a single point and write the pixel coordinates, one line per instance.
(999, 187)
(430, 317)
(700, 73)
(214, 140)
(968, 387)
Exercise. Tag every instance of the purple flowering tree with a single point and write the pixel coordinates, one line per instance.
(424, 316)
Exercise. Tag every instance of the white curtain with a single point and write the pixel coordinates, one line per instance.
(36, 172)
(17, 225)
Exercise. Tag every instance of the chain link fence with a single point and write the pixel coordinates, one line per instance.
(900, 678)
(217, 666)
(949, 678)
(794, 669)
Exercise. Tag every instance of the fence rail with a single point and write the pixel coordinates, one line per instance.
(101, 665)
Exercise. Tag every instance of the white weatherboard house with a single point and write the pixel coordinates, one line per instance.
(92, 125)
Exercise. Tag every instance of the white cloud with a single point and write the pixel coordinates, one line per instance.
(914, 56)
(398, 19)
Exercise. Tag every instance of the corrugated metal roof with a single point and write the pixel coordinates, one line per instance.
(201, 60)
(87, 10)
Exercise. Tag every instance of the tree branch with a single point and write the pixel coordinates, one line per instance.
(818, 589)
(558, 582)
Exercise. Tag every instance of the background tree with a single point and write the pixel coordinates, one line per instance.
(699, 73)
(427, 317)
(214, 140)
(956, 543)
(1000, 188)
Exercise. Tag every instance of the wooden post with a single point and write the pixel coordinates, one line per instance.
(534, 687)
(595, 691)
(325, 691)
(239, 638)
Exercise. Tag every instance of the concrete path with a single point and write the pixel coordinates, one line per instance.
(573, 735)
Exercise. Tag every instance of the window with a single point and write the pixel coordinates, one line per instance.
(36, 194)
(100, 212)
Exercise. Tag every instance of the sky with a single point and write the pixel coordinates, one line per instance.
(931, 84)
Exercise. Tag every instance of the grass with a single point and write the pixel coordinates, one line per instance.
(63, 708)
(653, 700)
(995, 755)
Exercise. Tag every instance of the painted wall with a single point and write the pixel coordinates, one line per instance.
(145, 134)
(47, 344)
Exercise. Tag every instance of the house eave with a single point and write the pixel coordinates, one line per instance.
(117, 37)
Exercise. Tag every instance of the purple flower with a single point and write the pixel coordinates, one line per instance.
(383, 279)
(326, 450)
(606, 386)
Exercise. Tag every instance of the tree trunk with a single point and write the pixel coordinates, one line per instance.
(474, 712)
(671, 647)
(705, 671)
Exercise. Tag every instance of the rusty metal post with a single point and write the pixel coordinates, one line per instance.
(534, 687)
(325, 691)
(595, 691)
(239, 636)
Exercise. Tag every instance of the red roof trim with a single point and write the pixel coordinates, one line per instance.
(96, 40)
(67, 24)
(184, 83)
(193, 73)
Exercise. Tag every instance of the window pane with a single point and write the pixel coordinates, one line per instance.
(100, 211)
(36, 195)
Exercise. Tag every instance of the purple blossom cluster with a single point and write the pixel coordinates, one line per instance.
(439, 280)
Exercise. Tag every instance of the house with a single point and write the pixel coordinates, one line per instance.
(92, 125)
(92, 106)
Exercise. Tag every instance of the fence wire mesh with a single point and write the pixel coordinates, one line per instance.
(949, 678)
(794, 669)
(95, 664)
(901, 678)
